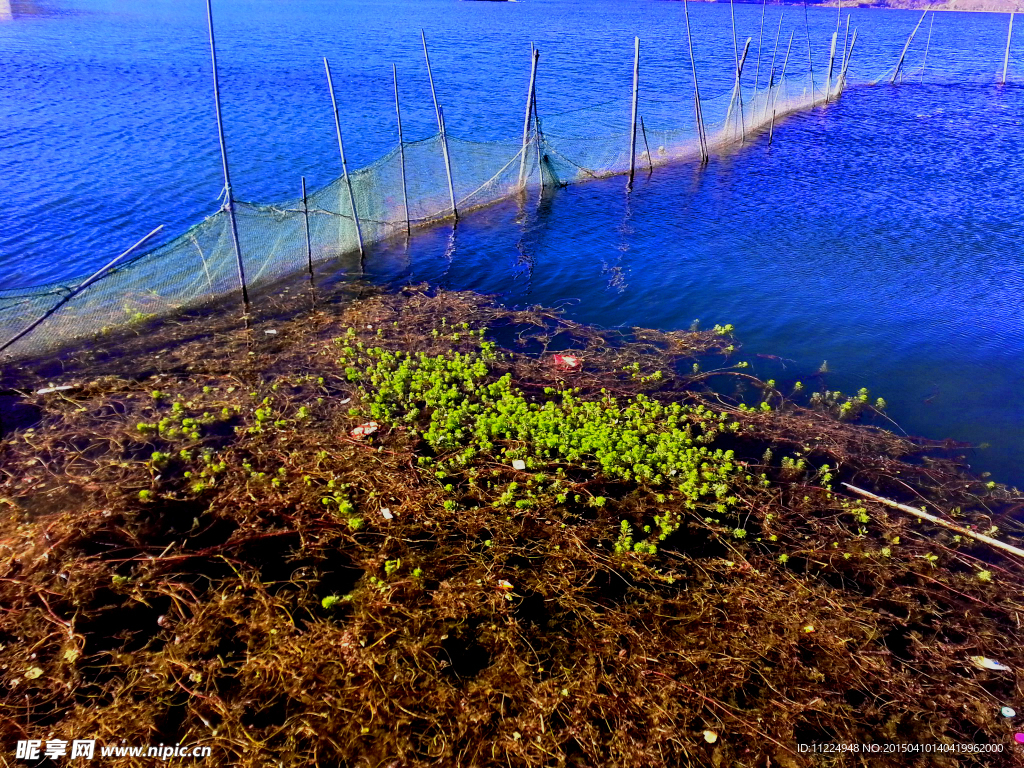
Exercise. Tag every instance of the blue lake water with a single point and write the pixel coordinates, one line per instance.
(880, 233)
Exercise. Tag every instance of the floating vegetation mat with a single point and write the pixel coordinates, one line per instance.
(421, 529)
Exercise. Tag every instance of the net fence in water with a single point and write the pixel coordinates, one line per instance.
(200, 265)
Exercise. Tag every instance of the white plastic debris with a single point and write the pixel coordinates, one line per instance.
(51, 390)
(364, 429)
(387, 513)
(346, 400)
(1008, 712)
(518, 464)
(270, 332)
(983, 662)
(502, 584)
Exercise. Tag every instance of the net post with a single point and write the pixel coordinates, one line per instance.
(771, 73)
(401, 153)
(77, 290)
(831, 64)
(229, 201)
(305, 218)
(782, 80)
(842, 67)
(1006, 57)
(927, 46)
(636, 85)
(698, 118)
(526, 121)
(647, 147)
(849, 55)
(447, 163)
(344, 164)
(430, 77)
(735, 47)
(760, 37)
(737, 93)
(899, 64)
(810, 60)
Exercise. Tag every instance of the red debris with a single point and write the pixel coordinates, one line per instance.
(568, 362)
(364, 429)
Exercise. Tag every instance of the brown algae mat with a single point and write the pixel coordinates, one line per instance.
(420, 529)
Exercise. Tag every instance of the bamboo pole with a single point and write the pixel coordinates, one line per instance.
(447, 164)
(738, 94)
(853, 42)
(899, 64)
(810, 61)
(782, 79)
(305, 217)
(760, 36)
(430, 76)
(931, 23)
(771, 73)
(735, 46)
(636, 86)
(77, 290)
(526, 121)
(344, 164)
(698, 118)
(401, 152)
(440, 127)
(1006, 57)
(938, 521)
(229, 201)
(846, 39)
(647, 147)
(831, 64)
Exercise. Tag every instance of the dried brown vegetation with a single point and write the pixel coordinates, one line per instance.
(199, 553)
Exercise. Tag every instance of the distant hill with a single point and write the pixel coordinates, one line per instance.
(995, 6)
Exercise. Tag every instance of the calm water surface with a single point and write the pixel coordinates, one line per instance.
(880, 233)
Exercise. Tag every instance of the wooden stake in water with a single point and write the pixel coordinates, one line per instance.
(760, 36)
(903, 55)
(229, 200)
(737, 94)
(771, 73)
(430, 76)
(401, 152)
(831, 64)
(810, 62)
(1006, 58)
(647, 147)
(305, 217)
(526, 121)
(735, 46)
(344, 165)
(782, 78)
(931, 23)
(636, 86)
(698, 118)
(853, 42)
(447, 163)
(77, 290)
(846, 39)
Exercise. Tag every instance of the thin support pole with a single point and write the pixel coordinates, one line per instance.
(647, 147)
(698, 118)
(305, 217)
(931, 23)
(853, 42)
(771, 73)
(735, 46)
(846, 39)
(760, 36)
(1006, 57)
(447, 164)
(831, 65)
(229, 201)
(636, 86)
(810, 61)
(939, 521)
(401, 152)
(738, 94)
(526, 121)
(782, 78)
(77, 290)
(899, 64)
(344, 165)
(430, 76)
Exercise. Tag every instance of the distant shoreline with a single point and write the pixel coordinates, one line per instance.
(967, 6)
